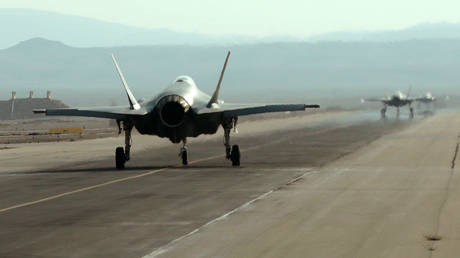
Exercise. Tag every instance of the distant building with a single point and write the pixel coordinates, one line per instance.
(21, 108)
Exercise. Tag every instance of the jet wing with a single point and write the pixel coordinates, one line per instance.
(120, 112)
(374, 100)
(231, 110)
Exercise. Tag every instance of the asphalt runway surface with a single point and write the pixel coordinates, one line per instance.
(158, 208)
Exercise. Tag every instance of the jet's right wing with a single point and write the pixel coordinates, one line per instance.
(120, 113)
(234, 110)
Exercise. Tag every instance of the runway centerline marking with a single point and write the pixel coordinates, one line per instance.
(84, 189)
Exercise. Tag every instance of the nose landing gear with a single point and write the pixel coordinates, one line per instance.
(183, 153)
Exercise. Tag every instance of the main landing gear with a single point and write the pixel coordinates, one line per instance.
(123, 155)
(232, 152)
(383, 112)
(411, 115)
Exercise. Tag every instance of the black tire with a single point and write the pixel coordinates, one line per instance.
(235, 156)
(184, 158)
(120, 158)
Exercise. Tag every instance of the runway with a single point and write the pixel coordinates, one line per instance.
(333, 188)
(397, 197)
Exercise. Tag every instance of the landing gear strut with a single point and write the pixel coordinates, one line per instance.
(183, 152)
(383, 112)
(123, 155)
(397, 112)
(411, 115)
(232, 152)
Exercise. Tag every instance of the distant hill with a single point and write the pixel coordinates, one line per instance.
(418, 32)
(277, 72)
(22, 24)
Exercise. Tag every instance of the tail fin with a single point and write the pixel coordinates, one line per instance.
(215, 96)
(132, 100)
(409, 91)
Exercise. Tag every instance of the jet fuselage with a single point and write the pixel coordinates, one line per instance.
(171, 113)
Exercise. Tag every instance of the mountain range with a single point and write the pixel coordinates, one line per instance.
(23, 24)
(70, 55)
(262, 72)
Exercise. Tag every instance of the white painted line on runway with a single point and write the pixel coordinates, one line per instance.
(112, 182)
(81, 190)
(141, 175)
(169, 245)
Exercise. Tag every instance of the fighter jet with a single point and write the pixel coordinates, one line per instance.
(426, 99)
(398, 100)
(179, 111)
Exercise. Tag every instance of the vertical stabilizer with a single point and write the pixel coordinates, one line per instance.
(132, 100)
(408, 92)
(215, 96)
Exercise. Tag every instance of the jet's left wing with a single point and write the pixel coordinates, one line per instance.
(374, 100)
(121, 113)
(232, 110)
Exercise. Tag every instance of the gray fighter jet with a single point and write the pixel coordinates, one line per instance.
(179, 111)
(426, 99)
(398, 100)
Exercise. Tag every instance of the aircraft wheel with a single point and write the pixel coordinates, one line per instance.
(184, 157)
(235, 156)
(120, 158)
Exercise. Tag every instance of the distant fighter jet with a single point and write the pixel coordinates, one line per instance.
(397, 100)
(179, 111)
(426, 99)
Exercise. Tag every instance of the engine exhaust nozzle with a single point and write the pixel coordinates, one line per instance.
(172, 110)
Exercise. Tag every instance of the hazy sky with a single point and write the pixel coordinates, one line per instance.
(257, 17)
